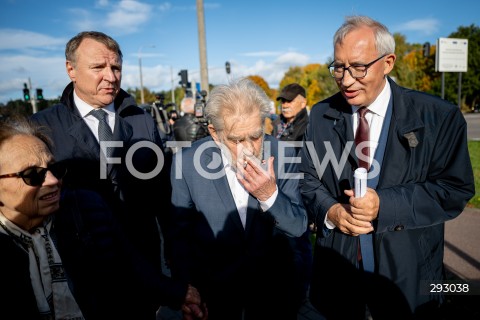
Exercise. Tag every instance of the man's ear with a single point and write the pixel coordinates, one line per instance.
(213, 132)
(389, 63)
(70, 70)
(304, 103)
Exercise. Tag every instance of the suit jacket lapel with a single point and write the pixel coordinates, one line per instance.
(343, 126)
(80, 132)
(403, 124)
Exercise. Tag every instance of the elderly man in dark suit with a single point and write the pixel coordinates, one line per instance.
(236, 200)
(379, 253)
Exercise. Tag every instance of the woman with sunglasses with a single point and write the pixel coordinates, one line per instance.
(62, 255)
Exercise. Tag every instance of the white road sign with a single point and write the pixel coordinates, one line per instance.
(451, 55)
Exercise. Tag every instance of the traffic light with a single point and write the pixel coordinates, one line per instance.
(183, 78)
(426, 49)
(26, 93)
(227, 67)
(39, 94)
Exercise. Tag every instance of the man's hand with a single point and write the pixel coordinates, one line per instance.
(341, 216)
(259, 182)
(193, 308)
(364, 208)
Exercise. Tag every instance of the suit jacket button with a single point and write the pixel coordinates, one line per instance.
(399, 228)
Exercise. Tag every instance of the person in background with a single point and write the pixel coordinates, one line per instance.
(64, 255)
(135, 185)
(270, 118)
(291, 124)
(188, 127)
(377, 253)
(234, 209)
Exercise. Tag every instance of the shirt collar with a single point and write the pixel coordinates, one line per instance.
(226, 160)
(84, 108)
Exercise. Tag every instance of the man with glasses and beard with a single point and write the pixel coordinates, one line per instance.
(235, 205)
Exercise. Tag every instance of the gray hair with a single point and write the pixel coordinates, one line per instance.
(384, 41)
(187, 105)
(74, 43)
(239, 98)
(19, 125)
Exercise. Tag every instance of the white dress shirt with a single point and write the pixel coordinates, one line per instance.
(92, 122)
(240, 195)
(375, 118)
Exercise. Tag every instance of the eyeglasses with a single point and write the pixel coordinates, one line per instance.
(35, 176)
(357, 71)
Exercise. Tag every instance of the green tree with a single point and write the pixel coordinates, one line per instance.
(316, 80)
(16, 107)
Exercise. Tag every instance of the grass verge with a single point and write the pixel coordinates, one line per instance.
(474, 149)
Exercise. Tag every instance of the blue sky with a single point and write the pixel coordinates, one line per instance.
(259, 37)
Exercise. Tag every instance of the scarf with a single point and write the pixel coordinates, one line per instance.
(49, 283)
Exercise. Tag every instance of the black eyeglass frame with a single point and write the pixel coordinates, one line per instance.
(331, 68)
(35, 176)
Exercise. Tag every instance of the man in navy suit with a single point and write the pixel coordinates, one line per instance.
(236, 201)
(132, 179)
(381, 250)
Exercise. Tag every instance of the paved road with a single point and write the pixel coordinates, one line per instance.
(473, 125)
(462, 245)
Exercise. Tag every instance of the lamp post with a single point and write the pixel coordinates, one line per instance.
(142, 98)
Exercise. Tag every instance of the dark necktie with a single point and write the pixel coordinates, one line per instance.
(365, 253)
(363, 135)
(104, 130)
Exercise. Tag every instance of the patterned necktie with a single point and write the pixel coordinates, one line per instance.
(104, 130)
(363, 135)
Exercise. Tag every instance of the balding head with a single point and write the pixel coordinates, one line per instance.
(187, 105)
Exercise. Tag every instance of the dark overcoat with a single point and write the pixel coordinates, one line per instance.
(106, 275)
(425, 179)
(136, 192)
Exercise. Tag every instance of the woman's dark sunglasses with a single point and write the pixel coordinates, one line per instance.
(35, 176)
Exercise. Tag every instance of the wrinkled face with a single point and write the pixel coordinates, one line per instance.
(291, 108)
(242, 136)
(26, 206)
(358, 48)
(97, 73)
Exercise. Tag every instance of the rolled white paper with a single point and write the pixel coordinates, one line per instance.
(360, 176)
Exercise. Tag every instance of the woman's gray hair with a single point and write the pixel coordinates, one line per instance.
(384, 40)
(239, 98)
(74, 43)
(23, 126)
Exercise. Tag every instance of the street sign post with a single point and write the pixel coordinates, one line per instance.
(452, 56)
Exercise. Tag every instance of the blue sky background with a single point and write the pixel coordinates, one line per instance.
(259, 37)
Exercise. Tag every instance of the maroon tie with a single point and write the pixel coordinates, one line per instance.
(363, 134)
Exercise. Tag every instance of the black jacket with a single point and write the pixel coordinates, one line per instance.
(136, 200)
(106, 275)
(296, 130)
(426, 179)
(189, 128)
